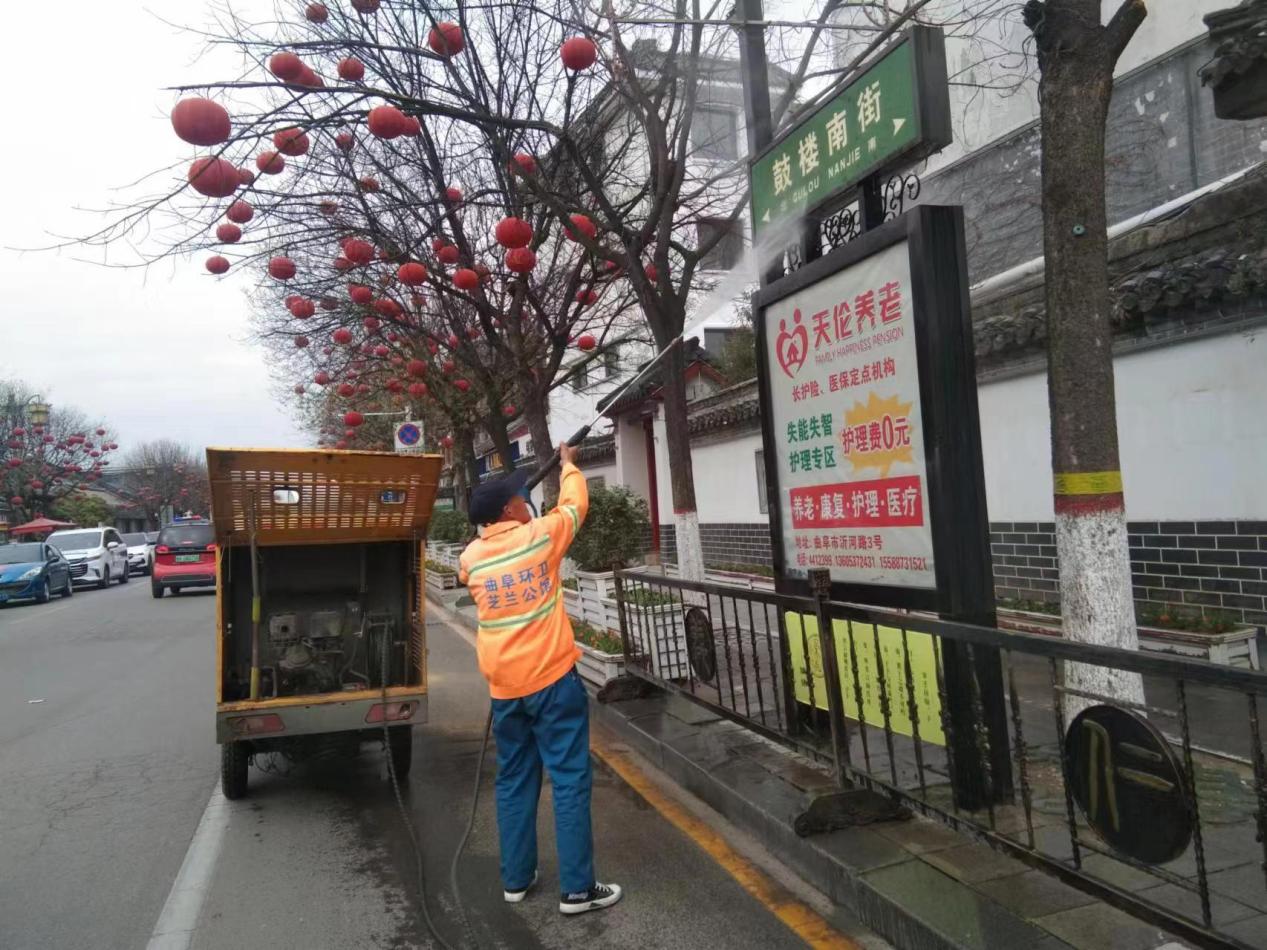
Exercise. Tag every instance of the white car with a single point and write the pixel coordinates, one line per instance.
(138, 552)
(96, 555)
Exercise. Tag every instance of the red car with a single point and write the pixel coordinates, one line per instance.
(185, 556)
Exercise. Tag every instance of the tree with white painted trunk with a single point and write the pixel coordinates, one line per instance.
(1076, 57)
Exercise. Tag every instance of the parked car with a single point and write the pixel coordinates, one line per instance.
(185, 556)
(33, 570)
(138, 552)
(96, 555)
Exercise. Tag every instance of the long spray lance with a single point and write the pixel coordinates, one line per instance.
(579, 435)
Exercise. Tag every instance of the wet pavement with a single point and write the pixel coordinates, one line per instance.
(108, 777)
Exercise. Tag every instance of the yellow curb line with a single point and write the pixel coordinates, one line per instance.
(801, 919)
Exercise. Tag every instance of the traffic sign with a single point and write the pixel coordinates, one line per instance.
(894, 114)
(409, 438)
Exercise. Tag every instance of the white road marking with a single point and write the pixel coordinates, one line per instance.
(179, 918)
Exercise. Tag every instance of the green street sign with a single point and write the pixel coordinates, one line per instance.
(894, 114)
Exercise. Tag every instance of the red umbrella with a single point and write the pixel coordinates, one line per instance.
(41, 526)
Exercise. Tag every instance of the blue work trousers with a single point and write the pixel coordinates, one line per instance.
(550, 727)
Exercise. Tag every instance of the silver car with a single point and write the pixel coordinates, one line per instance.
(96, 555)
(139, 551)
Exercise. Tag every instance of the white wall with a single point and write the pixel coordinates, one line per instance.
(1192, 425)
(726, 481)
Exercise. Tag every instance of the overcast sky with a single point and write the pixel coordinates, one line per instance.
(158, 353)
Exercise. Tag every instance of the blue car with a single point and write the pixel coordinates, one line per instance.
(33, 570)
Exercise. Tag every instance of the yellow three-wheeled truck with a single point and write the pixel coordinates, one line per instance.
(320, 627)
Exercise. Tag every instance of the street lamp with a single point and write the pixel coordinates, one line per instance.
(37, 411)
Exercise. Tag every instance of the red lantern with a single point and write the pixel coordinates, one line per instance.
(416, 368)
(513, 232)
(448, 366)
(524, 162)
(380, 351)
(228, 233)
(291, 142)
(652, 272)
(16, 501)
(521, 260)
(387, 122)
(586, 297)
(360, 294)
(213, 177)
(412, 273)
(321, 378)
(240, 212)
(346, 389)
(342, 336)
(317, 13)
(246, 176)
(353, 418)
(483, 272)
(358, 251)
(446, 39)
(302, 308)
(417, 390)
(328, 207)
(509, 411)
(365, 6)
(342, 263)
(586, 342)
(286, 66)
(351, 69)
(447, 441)
(453, 194)
(436, 244)
(465, 279)
(270, 163)
(579, 52)
(462, 385)
(201, 122)
(345, 141)
(387, 307)
(412, 126)
(281, 268)
(369, 184)
(583, 225)
(301, 342)
(448, 254)
(217, 264)
(17, 463)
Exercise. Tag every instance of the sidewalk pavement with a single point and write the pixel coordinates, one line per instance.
(916, 883)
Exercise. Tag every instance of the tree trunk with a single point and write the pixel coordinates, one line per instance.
(690, 551)
(495, 426)
(536, 414)
(1077, 56)
(463, 467)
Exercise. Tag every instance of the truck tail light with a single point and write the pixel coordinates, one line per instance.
(256, 725)
(162, 549)
(390, 712)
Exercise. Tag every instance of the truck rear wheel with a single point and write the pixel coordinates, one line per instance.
(233, 762)
(400, 746)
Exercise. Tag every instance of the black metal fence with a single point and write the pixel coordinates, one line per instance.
(1168, 822)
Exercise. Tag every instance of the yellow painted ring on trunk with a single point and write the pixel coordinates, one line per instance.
(1088, 483)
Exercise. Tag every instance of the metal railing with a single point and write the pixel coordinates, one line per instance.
(870, 699)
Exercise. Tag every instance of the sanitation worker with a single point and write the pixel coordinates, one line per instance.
(528, 655)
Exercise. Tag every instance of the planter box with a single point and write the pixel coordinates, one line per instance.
(1237, 647)
(438, 581)
(598, 667)
(660, 634)
(598, 584)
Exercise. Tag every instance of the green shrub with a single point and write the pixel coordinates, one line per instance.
(450, 526)
(602, 640)
(435, 567)
(612, 534)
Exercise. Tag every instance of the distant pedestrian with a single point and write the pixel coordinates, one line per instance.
(528, 655)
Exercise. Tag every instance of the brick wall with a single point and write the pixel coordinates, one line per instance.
(1211, 567)
(1163, 140)
(722, 543)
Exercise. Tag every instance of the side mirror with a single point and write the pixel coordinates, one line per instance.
(112, 545)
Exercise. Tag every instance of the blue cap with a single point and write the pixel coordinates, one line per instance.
(490, 497)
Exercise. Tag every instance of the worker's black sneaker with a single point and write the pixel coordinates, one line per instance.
(514, 897)
(598, 896)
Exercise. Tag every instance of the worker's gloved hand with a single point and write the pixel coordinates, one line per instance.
(567, 453)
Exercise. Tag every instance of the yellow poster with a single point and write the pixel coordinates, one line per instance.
(851, 636)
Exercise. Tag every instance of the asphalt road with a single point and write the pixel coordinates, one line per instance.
(109, 764)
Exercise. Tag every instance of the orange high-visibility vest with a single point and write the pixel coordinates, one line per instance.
(525, 638)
